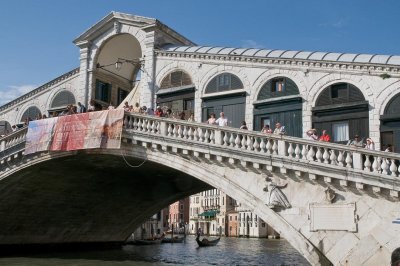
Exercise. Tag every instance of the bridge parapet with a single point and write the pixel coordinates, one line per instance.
(364, 169)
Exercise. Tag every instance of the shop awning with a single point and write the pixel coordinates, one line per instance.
(210, 213)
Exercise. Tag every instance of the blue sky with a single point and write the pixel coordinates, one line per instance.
(36, 35)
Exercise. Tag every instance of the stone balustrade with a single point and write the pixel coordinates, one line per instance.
(314, 159)
(318, 159)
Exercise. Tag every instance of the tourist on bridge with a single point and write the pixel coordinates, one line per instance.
(266, 129)
(356, 142)
(81, 108)
(212, 119)
(126, 107)
(279, 129)
(191, 118)
(312, 134)
(325, 137)
(243, 126)
(370, 144)
(222, 121)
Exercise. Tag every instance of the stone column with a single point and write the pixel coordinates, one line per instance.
(83, 93)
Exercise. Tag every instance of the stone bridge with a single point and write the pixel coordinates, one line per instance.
(335, 204)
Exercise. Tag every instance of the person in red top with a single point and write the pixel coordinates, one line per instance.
(158, 112)
(325, 137)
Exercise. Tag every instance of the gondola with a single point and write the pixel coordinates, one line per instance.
(147, 241)
(174, 239)
(205, 242)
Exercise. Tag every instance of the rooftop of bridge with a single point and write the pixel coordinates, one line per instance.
(289, 54)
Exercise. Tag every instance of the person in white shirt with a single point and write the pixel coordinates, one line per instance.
(222, 121)
(370, 144)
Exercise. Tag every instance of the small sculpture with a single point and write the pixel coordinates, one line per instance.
(330, 194)
(276, 198)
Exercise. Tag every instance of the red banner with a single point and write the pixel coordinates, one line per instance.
(74, 132)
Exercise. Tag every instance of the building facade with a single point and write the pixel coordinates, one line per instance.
(208, 212)
(179, 215)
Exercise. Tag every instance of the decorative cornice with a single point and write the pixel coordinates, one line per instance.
(40, 89)
(302, 64)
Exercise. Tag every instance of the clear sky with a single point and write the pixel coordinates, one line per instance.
(36, 35)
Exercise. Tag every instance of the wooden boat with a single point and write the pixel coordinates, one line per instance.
(175, 239)
(147, 241)
(205, 242)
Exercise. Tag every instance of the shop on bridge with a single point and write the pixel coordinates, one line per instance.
(225, 93)
(390, 125)
(342, 110)
(279, 100)
(176, 92)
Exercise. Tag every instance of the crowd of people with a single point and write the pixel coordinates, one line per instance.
(222, 120)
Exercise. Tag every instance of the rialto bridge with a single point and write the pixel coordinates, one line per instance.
(332, 202)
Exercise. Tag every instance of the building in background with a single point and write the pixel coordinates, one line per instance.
(179, 215)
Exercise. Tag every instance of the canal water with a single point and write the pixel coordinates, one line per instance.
(229, 251)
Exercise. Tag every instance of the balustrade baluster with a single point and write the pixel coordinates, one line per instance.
(319, 155)
(297, 151)
(249, 143)
(384, 166)
(231, 140)
(275, 147)
(158, 128)
(348, 159)
(170, 130)
(135, 123)
(311, 153)
(191, 133)
(290, 150)
(140, 125)
(180, 131)
(212, 136)
(269, 147)
(207, 136)
(237, 141)
(256, 146)
(185, 132)
(367, 164)
(262, 145)
(325, 156)
(304, 152)
(393, 167)
(175, 131)
(201, 134)
(226, 139)
(154, 127)
(243, 142)
(340, 158)
(333, 157)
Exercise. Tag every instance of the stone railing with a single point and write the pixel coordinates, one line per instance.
(318, 159)
(13, 143)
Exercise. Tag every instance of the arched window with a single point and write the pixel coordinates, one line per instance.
(342, 110)
(278, 87)
(31, 113)
(62, 99)
(176, 79)
(394, 106)
(224, 82)
(339, 93)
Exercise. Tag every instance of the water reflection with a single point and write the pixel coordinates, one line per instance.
(229, 251)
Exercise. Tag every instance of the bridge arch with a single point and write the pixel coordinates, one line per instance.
(208, 175)
(116, 65)
(61, 99)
